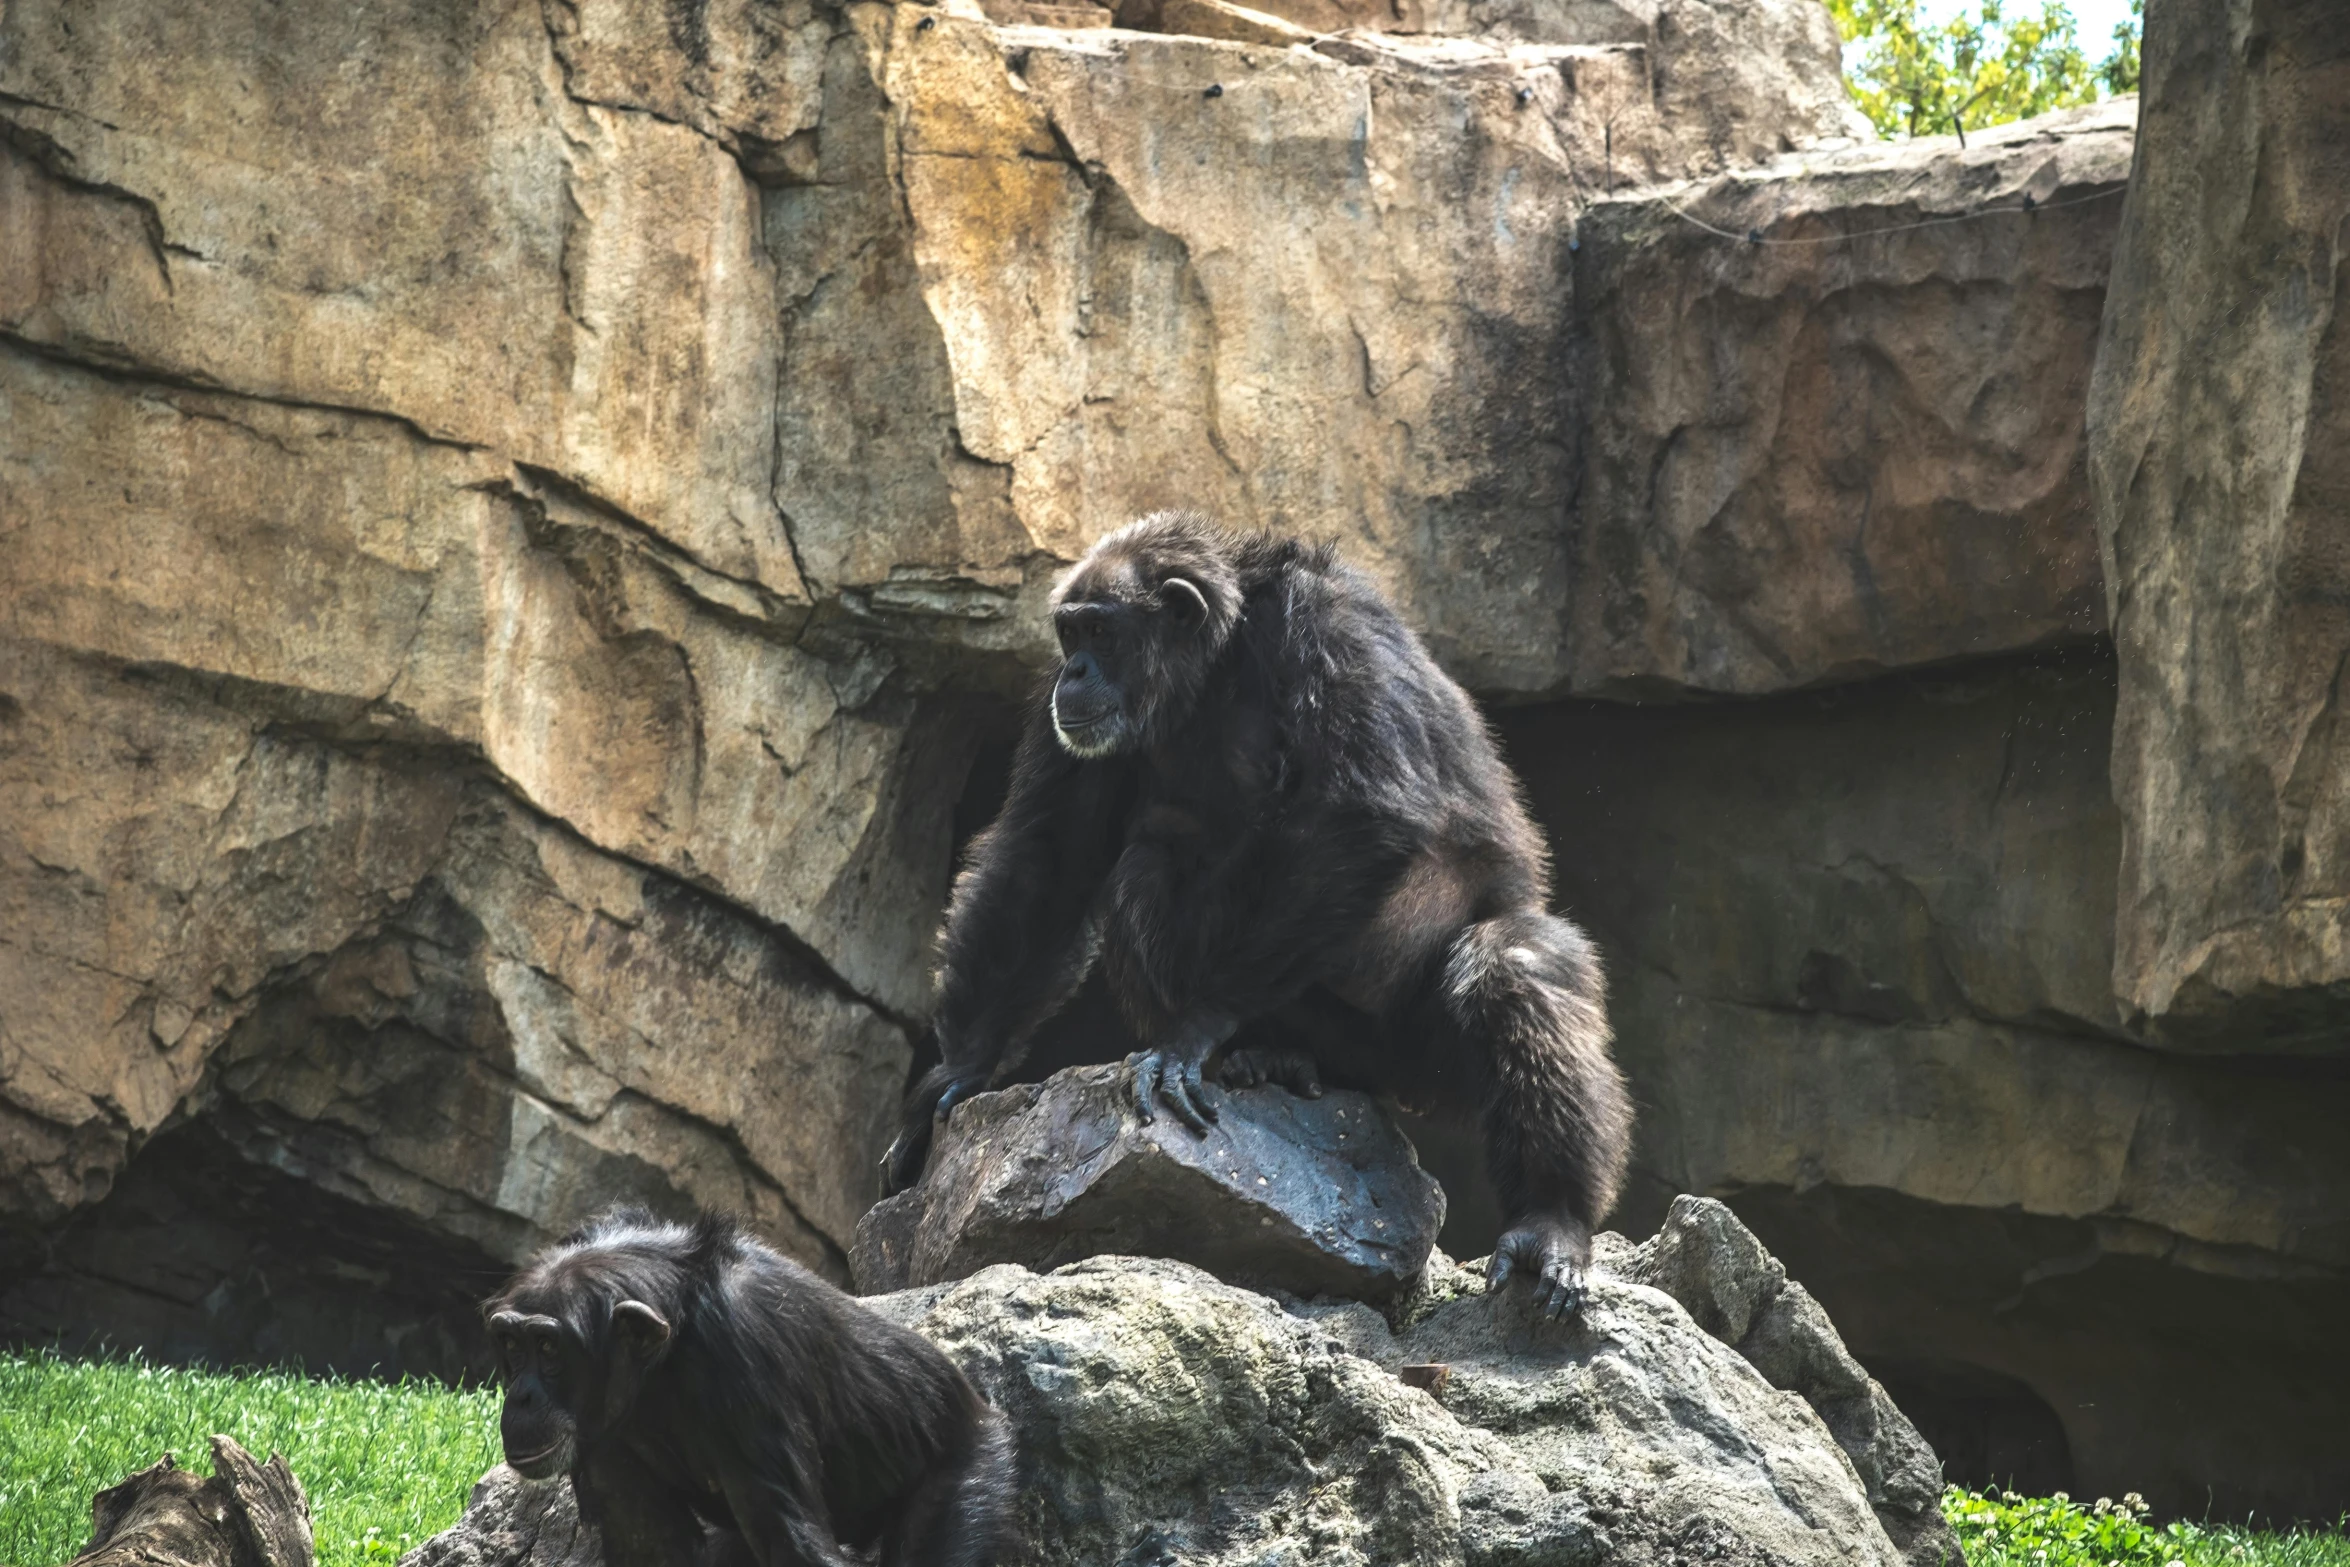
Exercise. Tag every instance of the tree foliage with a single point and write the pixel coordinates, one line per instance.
(1915, 77)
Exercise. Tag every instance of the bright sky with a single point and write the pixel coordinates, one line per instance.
(2093, 20)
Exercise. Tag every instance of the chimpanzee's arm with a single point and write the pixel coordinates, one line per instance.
(1203, 950)
(641, 1521)
(783, 1520)
(1018, 936)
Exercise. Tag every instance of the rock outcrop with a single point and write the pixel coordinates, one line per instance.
(1164, 1416)
(632, 420)
(1306, 1196)
(1738, 1292)
(2220, 414)
(1834, 412)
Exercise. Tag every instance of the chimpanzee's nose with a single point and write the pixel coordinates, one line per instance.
(1080, 667)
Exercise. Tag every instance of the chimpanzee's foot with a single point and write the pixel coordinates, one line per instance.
(1291, 1069)
(1172, 1076)
(1551, 1255)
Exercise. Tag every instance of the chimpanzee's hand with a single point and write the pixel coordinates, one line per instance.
(1292, 1069)
(901, 1167)
(1171, 1072)
(1174, 1076)
(1551, 1255)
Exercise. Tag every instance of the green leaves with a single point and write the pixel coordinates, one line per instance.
(2002, 1529)
(1912, 77)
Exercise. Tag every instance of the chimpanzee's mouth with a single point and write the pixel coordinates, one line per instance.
(535, 1466)
(1088, 731)
(1076, 717)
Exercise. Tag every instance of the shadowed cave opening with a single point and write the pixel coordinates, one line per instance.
(203, 1256)
(1988, 1429)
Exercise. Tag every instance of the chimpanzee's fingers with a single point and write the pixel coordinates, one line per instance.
(1147, 1065)
(1197, 1092)
(1176, 1092)
(1563, 1289)
(1497, 1267)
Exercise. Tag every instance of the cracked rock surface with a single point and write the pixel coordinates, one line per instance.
(1166, 1417)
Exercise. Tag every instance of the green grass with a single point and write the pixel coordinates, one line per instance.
(384, 1464)
(2002, 1529)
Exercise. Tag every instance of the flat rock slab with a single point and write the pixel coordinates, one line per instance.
(1307, 1196)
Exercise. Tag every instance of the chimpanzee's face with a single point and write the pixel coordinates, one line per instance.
(567, 1383)
(1091, 710)
(542, 1364)
(1117, 652)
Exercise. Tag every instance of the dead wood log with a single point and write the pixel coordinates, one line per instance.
(249, 1514)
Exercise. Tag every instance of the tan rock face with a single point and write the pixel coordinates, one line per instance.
(273, 656)
(2219, 421)
(1857, 942)
(1852, 441)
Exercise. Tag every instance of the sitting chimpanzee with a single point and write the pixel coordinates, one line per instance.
(717, 1405)
(1247, 797)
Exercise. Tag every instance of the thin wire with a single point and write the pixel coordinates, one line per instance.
(1755, 236)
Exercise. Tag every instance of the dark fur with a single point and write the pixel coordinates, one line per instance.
(774, 1421)
(1283, 809)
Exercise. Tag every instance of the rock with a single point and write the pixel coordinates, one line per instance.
(1859, 945)
(1738, 1292)
(394, 980)
(1156, 1404)
(513, 1522)
(1164, 1416)
(2218, 434)
(1307, 1196)
(1233, 23)
(249, 1514)
(1869, 455)
(619, 441)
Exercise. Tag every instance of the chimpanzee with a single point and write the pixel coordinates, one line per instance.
(717, 1405)
(1249, 792)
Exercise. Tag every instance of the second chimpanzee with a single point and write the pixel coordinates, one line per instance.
(717, 1405)
(1248, 791)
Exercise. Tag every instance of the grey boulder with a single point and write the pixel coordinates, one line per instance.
(1710, 1262)
(1304, 1196)
(1167, 1417)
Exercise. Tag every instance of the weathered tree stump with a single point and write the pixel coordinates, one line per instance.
(249, 1514)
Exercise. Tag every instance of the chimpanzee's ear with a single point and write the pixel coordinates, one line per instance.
(644, 1331)
(1181, 597)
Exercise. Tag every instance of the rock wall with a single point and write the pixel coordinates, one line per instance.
(2222, 391)
(517, 523)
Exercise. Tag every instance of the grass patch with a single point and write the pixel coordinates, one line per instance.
(2002, 1529)
(384, 1464)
